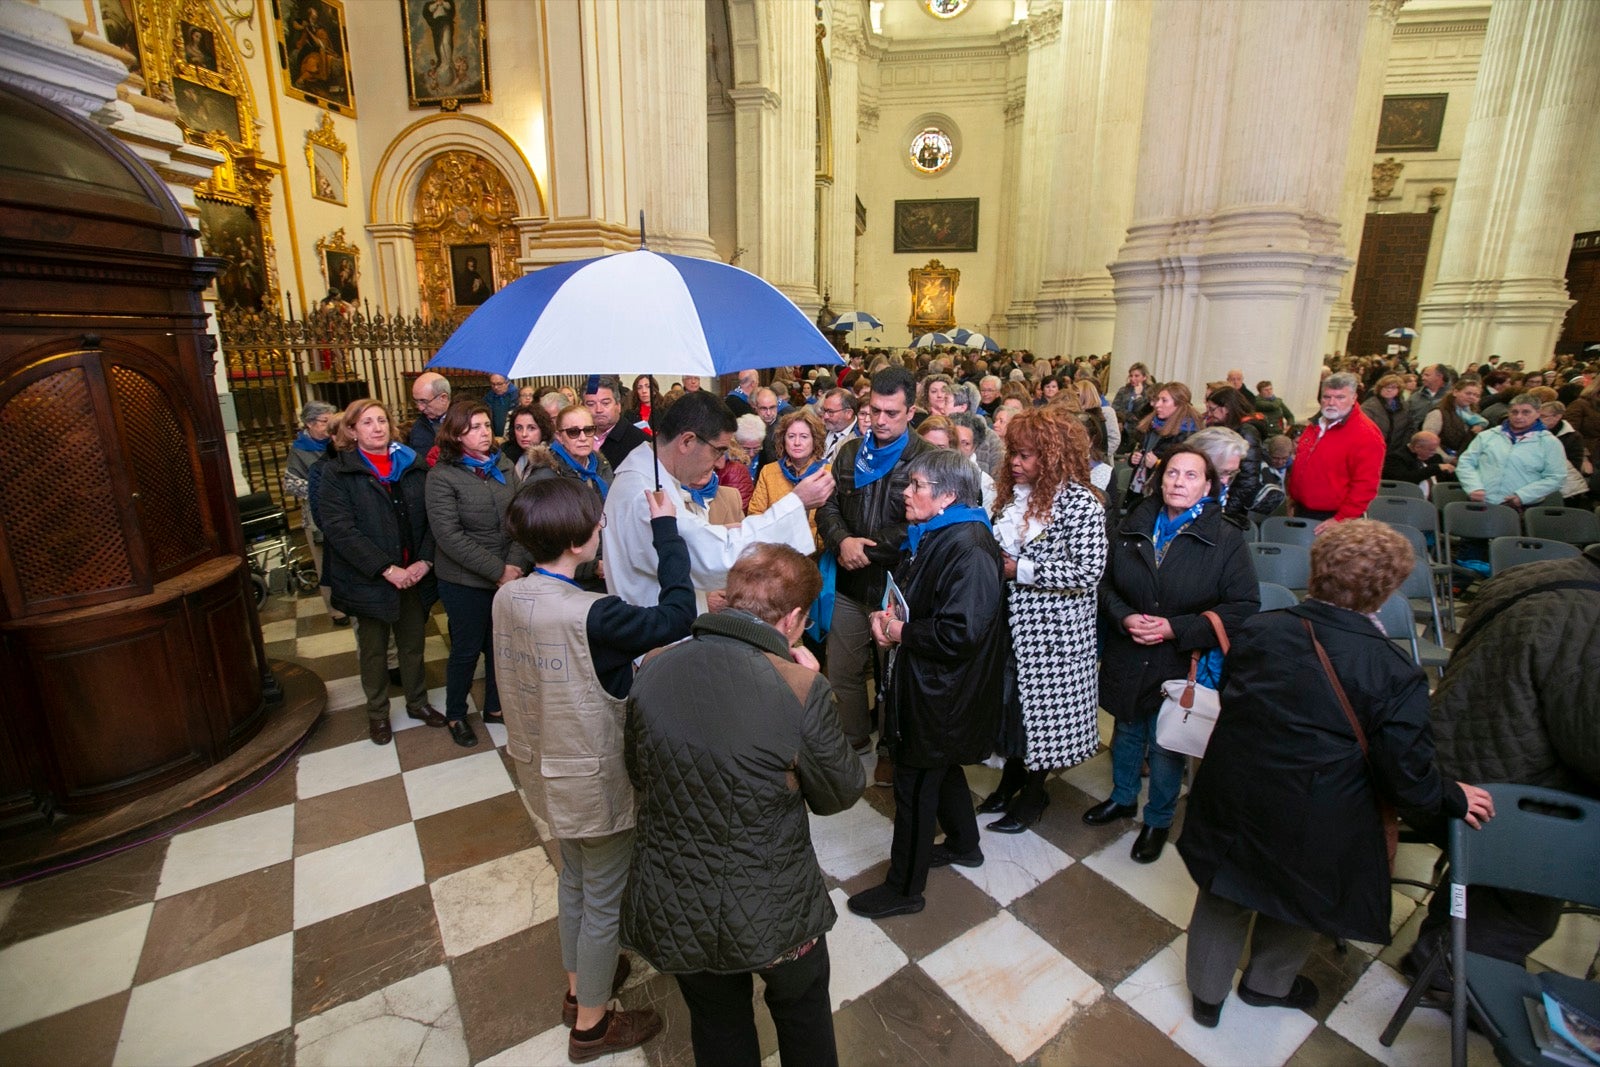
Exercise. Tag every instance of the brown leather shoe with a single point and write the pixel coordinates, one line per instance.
(426, 714)
(627, 1029)
(569, 1003)
(883, 773)
(381, 734)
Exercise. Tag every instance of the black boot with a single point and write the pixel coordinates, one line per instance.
(1027, 809)
(1011, 780)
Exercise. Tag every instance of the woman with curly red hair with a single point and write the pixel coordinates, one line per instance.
(1051, 526)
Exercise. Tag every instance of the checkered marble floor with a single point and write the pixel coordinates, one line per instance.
(372, 905)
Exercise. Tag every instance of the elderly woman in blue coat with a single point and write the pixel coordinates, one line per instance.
(1517, 463)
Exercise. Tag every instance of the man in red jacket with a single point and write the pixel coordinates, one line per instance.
(1339, 458)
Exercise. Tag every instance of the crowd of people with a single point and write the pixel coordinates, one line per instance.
(702, 616)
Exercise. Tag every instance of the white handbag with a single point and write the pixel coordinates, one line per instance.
(1189, 711)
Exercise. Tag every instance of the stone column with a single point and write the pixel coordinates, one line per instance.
(1375, 41)
(1041, 120)
(1501, 286)
(839, 214)
(666, 90)
(1234, 254)
(1095, 168)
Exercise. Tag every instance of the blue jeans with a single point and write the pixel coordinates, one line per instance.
(1131, 744)
(471, 612)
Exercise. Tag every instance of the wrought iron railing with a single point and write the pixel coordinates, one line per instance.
(276, 364)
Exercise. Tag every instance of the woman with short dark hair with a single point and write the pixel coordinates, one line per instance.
(1326, 722)
(529, 426)
(468, 491)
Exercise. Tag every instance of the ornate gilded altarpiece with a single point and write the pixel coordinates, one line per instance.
(464, 206)
(193, 61)
(933, 297)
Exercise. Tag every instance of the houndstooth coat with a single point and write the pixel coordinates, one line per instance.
(1053, 630)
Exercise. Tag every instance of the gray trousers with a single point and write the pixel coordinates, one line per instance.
(1217, 933)
(594, 871)
(372, 648)
(849, 661)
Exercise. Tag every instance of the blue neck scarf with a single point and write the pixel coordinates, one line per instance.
(400, 460)
(1168, 528)
(1470, 417)
(875, 460)
(589, 473)
(306, 443)
(795, 479)
(948, 517)
(487, 467)
(705, 494)
(1517, 435)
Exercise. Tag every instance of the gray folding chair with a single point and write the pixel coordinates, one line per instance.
(1285, 531)
(1575, 526)
(1418, 589)
(1275, 596)
(1410, 489)
(1418, 520)
(1285, 565)
(1446, 493)
(1395, 618)
(1482, 521)
(1507, 552)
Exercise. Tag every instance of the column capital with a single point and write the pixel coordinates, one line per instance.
(867, 116)
(1044, 23)
(752, 97)
(1387, 10)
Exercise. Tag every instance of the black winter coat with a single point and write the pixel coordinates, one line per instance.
(1206, 568)
(945, 685)
(361, 527)
(1283, 818)
(877, 512)
(1246, 484)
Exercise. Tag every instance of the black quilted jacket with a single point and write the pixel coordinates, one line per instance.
(728, 742)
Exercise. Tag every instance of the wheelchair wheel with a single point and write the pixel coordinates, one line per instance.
(303, 576)
(259, 583)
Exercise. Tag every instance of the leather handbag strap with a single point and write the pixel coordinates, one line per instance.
(1187, 700)
(1338, 689)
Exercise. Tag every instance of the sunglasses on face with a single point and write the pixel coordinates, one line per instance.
(575, 432)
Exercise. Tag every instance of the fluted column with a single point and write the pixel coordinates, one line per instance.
(1501, 284)
(667, 122)
(1096, 165)
(1234, 254)
(1375, 41)
(839, 212)
(1041, 117)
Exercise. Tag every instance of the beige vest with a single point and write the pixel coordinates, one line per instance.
(564, 730)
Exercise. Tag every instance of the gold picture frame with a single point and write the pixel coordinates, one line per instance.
(314, 52)
(447, 52)
(933, 297)
(328, 162)
(341, 269)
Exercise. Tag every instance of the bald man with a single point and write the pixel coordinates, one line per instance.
(739, 399)
(1418, 461)
(1236, 379)
(431, 394)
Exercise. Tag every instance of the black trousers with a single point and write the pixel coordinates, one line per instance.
(722, 1017)
(925, 799)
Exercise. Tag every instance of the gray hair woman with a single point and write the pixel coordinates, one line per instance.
(987, 448)
(310, 445)
(1226, 449)
(942, 685)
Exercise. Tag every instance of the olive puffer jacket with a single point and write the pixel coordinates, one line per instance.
(724, 878)
(1518, 701)
(466, 513)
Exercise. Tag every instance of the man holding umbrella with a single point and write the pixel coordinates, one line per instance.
(690, 437)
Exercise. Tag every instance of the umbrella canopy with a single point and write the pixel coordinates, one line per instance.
(638, 311)
(960, 334)
(1593, 348)
(1401, 331)
(978, 340)
(856, 320)
(929, 340)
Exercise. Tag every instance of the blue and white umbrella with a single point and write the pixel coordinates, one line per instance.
(930, 340)
(856, 320)
(1401, 331)
(978, 340)
(642, 312)
(960, 334)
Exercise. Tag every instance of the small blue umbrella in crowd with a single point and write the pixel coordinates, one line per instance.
(929, 340)
(960, 334)
(978, 340)
(856, 320)
(1401, 331)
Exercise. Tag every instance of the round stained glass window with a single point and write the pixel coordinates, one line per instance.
(946, 9)
(931, 150)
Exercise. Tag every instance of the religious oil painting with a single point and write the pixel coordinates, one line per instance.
(1411, 123)
(447, 52)
(207, 110)
(199, 46)
(339, 268)
(315, 53)
(936, 225)
(232, 233)
(472, 274)
(120, 26)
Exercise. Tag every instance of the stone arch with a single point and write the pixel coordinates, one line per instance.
(398, 176)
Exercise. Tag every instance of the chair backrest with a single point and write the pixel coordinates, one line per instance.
(1419, 583)
(1447, 493)
(1486, 521)
(1419, 543)
(1575, 526)
(1286, 531)
(1506, 552)
(1121, 478)
(1275, 596)
(1408, 489)
(1287, 565)
(1540, 841)
(1399, 624)
(1404, 510)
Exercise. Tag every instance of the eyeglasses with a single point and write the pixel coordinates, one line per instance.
(719, 450)
(918, 484)
(575, 432)
(431, 399)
